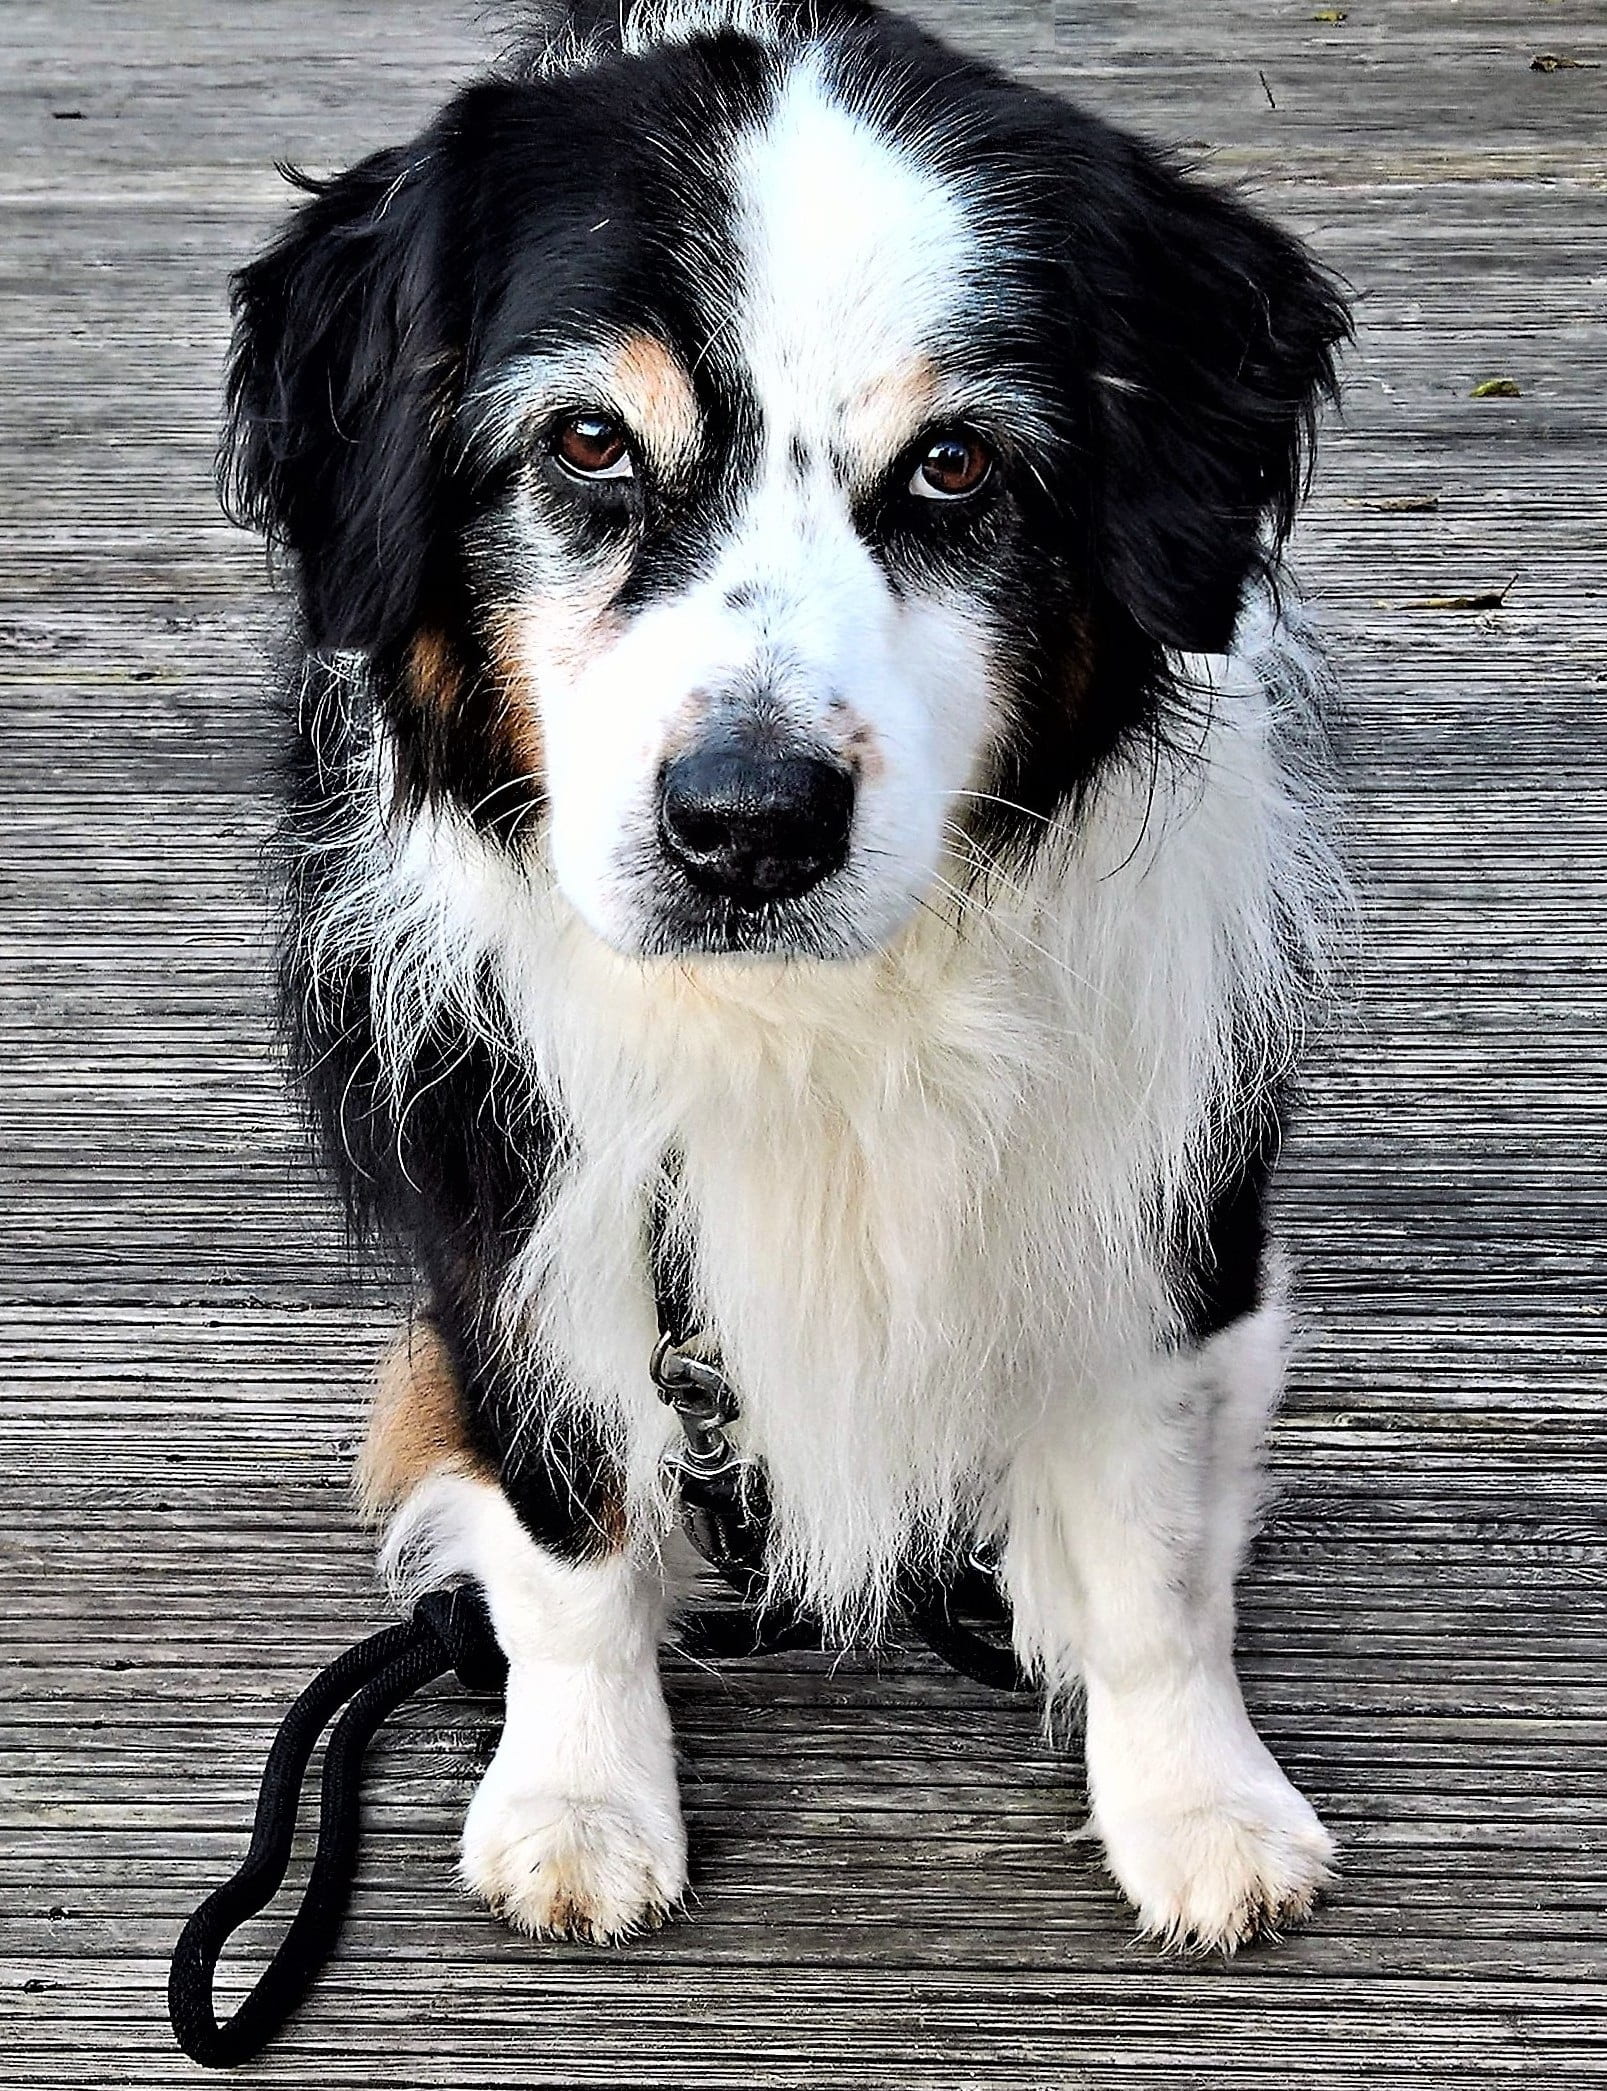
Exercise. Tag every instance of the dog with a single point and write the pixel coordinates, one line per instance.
(799, 727)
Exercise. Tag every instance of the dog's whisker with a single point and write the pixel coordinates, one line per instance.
(525, 784)
(993, 798)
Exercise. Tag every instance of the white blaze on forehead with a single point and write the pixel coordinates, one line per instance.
(858, 265)
(856, 259)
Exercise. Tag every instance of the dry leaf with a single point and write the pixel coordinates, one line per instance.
(1486, 599)
(1399, 504)
(1497, 388)
(1332, 15)
(1555, 62)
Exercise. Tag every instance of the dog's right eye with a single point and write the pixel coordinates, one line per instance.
(592, 446)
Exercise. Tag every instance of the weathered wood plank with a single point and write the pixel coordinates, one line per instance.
(887, 1893)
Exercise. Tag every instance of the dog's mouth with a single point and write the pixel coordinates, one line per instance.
(687, 923)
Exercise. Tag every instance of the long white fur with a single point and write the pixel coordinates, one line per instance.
(1127, 1518)
(930, 1190)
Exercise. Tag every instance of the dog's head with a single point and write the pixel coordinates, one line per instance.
(763, 456)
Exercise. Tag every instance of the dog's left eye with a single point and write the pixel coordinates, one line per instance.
(955, 464)
(592, 446)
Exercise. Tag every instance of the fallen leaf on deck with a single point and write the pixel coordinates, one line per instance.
(1555, 62)
(1497, 388)
(1400, 504)
(1331, 15)
(1486, 599)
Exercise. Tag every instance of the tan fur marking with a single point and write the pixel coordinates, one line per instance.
(435, 681)
(416, 1426)
(613, 1525)
(891, 410)
(655, 395)
(864, 753)
(519, 707)
(552, 639)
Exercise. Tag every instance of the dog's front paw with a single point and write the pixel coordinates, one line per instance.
(1204, 1834)
(563, 1866)
(1214, 1872)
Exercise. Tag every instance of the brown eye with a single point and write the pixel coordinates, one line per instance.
(592, 446)
(954, 465)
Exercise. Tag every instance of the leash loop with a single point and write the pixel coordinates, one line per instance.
(449, 1630)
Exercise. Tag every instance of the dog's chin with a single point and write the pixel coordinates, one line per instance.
(781, 931)
(683, 925)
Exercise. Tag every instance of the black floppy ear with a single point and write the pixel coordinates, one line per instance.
(336, 391)
(1214, 339)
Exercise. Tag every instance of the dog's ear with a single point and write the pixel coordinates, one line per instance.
(337, 391)
(1213, 342)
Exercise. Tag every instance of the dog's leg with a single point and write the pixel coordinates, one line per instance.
(576, 1826)
(1128, 1520)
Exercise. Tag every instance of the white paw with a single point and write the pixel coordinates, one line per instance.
(1216, 1872)
(563, 1866)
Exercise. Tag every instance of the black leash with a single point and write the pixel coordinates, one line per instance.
(725, 1512)
(449, 1630)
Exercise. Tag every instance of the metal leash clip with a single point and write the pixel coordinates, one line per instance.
(720, 1490)
(706, 1402)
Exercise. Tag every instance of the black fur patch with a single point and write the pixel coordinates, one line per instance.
(446, 1160)
(1222, 1268)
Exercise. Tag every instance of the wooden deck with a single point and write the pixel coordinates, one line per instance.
(886, 1890)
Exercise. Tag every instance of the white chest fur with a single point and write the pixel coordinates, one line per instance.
(930, 1191)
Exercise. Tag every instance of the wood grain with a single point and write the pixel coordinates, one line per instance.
(888, 1888)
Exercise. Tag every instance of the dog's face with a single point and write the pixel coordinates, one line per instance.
(767, 470)
(752, 515)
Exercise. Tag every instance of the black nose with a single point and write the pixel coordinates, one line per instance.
(754, 825)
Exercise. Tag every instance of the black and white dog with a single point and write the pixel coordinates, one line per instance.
(794, 727)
